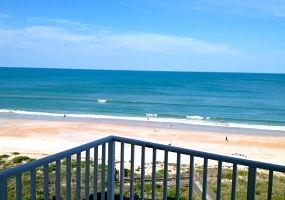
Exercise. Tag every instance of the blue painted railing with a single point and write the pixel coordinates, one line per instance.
(31, 168)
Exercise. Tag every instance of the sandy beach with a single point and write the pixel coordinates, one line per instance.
(38, 138)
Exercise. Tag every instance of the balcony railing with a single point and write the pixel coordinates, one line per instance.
(90, 174)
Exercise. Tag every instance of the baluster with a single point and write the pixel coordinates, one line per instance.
(270, 184)
(178, 176)
(132, 172)
(219, 180)
(103, 164)
(33, 184)
(57, 186)
(251, 183)
(122, 171)
(191, 178)
(95, 180)
(78, 176)
(3, 188)
(46, 184)
(205, 176)
(234, 181)
(111, 170)
(153, 173)
(87, 173)
(19, 186)
(142, 172)
(68, 178)
(165, 177)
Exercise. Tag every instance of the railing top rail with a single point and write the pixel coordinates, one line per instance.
(201, 154)
(53, 158)
(70, 152)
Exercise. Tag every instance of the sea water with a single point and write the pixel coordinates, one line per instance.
(240, 100)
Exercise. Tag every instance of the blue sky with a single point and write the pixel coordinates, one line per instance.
(193, 35)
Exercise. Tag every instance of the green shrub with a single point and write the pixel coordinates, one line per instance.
(227, 174)
(160, 173)
(4, 156)
(172, 192)
(52, 167)
(20, 159)
(127, 172)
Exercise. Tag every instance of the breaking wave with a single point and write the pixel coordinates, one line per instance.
(190, 120)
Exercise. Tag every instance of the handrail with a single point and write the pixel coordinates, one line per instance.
(201, 154)
(52, 158)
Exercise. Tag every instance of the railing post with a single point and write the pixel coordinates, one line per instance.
(111, 170)
(251, 183)
(3, 188)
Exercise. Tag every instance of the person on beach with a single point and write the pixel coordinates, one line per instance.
(227, 139)
(64, 115)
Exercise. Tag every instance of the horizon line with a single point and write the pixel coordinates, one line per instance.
(142, 70)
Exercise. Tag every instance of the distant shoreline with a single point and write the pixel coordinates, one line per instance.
(142, 121)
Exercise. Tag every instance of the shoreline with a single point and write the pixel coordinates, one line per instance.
(176, 123)
(38, 138)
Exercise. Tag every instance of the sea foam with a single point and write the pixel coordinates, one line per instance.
(102, 101)
(194, 117)
(194, 120)
(151, 115)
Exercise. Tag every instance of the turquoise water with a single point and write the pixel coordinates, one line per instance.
(221, 99)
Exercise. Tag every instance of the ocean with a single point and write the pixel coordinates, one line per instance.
(240, 100)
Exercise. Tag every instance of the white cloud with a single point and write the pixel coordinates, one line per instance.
(4, 15)
(159, 43)
(68, 24)
(64, 44)
(256, 8)
(41, 36)
(76, 25)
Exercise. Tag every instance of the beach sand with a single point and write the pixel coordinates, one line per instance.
(38, 138)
